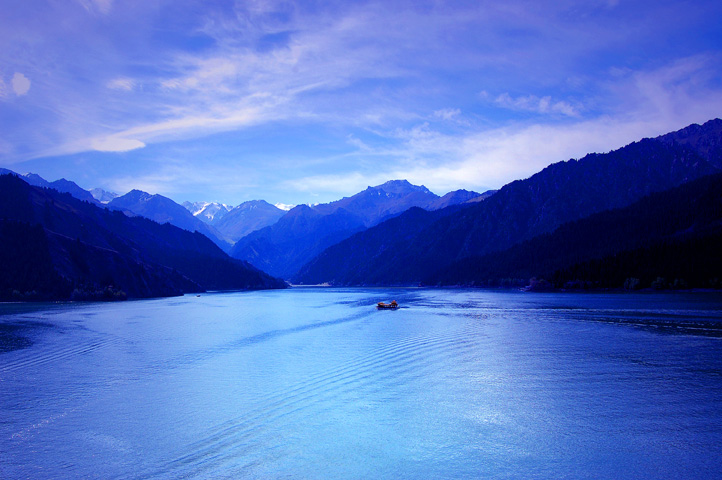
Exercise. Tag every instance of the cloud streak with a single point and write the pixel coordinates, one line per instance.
(654, 102)
(532, 103)
(315, 100)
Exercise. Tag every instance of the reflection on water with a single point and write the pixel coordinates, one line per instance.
(317, 383)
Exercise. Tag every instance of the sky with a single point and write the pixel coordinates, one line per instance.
(310, 101)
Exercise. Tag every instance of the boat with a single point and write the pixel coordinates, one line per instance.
(387, 306)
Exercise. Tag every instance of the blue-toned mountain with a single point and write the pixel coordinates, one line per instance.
(62, 185)
(674, 234)
(54, 244)
(347, 262)
(207, 211)
(284, 247)
(103, 196)
(164, 210)
(297, 237)
(457, 197)
(246, 218)
(382, 201)
(523, 209)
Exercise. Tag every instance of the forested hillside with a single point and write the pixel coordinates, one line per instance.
(58, 247)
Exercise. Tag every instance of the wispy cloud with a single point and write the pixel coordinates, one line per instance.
(651, 103)
(99, 6)
(116, 144)
(532, 103)
(121, 83)
(320, 99)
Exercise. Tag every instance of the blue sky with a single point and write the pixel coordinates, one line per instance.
(305, 102)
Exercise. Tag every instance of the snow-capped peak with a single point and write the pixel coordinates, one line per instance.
(103, 196)
(207, 211)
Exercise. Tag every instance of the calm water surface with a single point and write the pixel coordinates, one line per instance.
(316, 383)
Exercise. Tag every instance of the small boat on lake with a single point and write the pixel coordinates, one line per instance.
(387, 306)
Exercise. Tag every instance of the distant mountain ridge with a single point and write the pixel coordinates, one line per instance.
(523, 209)
(298, 236)
(57, 247)
(226, 225)
(164, 210)
(305, 231)
(247, 218)
(382, 201)
(402, 234)
(103, 196)
(459, 196)
(62, 185)
(207, 211)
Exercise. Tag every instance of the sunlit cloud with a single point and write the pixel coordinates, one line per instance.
(532, 103)
(197, 123)
(653, 103)
(447, 113)
(21, 84)
(321, 101)
(121, 83)
(116, 144)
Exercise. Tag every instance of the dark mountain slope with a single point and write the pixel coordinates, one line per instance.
(90, 247)
(680, 262)
(350, 258)
(164, 210)
(705, 139)
(66, 186)
(304, 232)
(281, 249)
(558, 194)
(27, 267)
(62, 185)
(690, 214)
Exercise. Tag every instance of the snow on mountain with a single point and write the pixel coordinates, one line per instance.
(162, 209)
(209, 212)
(246, 218)
(103, 196)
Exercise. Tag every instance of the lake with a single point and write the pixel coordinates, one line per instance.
(315, 383)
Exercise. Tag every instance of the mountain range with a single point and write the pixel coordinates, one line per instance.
(674, 234)
(55, 246)
(305, 231)
(207, 211)
(205, 217)
(103, 196)
(647, 214)
(164, 210)
(247, 218)
(62, 185)
(521, 210)
(234, 223)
